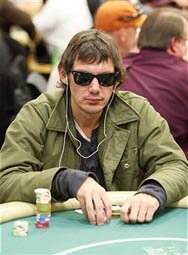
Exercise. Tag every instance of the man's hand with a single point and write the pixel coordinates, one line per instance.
(139, 208)
(94, 202)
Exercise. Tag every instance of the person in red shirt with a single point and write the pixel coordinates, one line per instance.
(159, 72)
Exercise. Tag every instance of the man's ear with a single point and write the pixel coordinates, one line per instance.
(174, 46)
(62, 74)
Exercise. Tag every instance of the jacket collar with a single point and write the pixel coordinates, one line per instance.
(121, 111)
(57, 120)
(120, 104)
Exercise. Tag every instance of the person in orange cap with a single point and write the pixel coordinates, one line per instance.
(122, 21)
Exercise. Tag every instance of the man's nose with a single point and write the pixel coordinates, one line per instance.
(94, 85)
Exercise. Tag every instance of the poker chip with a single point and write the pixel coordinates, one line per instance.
(20, 228)
(104, 214)
(43, 205)
(115, 210)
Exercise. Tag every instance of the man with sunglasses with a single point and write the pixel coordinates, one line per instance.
(88, 139)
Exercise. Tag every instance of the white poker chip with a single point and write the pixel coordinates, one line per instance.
(81, 212)
(20, 228)
(115, 210)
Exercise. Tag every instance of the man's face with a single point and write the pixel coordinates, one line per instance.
(90, 100)
(126, 40)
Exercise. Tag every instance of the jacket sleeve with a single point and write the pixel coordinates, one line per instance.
(160, 156)
(66, 183)
(21, 157)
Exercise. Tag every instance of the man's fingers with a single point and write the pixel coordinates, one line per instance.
(90, 210)
(103, 209)
(150, 214)
(142, 214)
(100, 213)
(140, 208)
(107, 207)
(125, 211)
(94, 202)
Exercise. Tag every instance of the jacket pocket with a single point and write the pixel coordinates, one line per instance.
(127, 175)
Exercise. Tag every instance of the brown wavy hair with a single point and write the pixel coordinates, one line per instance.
(92, 46)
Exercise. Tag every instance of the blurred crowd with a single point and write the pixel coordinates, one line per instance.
(151, 35)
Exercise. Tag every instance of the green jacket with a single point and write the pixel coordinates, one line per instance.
(137, 138)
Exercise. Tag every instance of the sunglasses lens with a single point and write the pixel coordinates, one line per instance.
(107, 80)
(82, 78)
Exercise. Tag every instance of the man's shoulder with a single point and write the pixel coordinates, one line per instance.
(129, 103)
(130, 58)
(50, 98)
(129, 97)
(46, 103)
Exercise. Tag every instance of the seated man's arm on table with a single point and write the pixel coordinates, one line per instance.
(84, 186)
(149, 199)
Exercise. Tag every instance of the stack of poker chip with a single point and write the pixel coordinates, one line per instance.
(43, 204)
(115, 210)
(20, 228)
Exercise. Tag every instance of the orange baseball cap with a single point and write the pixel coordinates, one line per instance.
(114, 15)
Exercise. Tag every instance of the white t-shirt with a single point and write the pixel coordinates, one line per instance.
(59, 20)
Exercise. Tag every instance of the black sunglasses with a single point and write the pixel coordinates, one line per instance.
(104, 79)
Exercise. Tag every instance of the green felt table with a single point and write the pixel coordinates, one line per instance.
(70, 233)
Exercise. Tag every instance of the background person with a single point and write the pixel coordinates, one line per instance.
(159, 72)
(182, 4)
(11, 16)
(58, 21)
(122, 21)
(13, 67)
(66, 19)
(88, 138)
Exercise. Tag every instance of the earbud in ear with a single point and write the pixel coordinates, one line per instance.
(66, 79)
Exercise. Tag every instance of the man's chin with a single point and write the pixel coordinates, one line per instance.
(93, 109)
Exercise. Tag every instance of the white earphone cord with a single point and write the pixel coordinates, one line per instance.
(80, 144)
